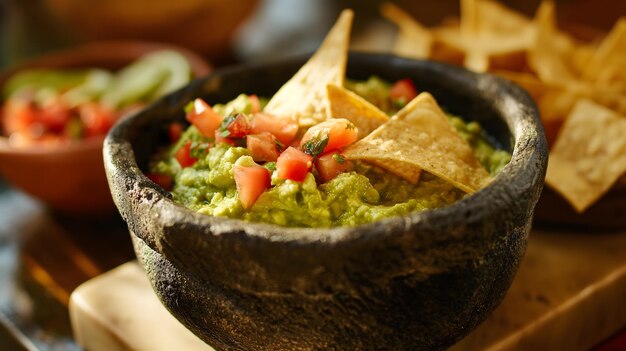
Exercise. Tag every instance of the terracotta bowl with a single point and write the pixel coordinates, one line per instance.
(70, 178)
(420, 281)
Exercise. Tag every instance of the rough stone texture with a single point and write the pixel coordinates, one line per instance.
(418, 282)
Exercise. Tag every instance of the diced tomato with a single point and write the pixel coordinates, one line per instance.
(262, 147)
(97, 119)
(293, 164)
(183, 155)
(235, 126)
(331, 165)
(174, 131)
(18, 116)
(164, 180)
(204, 118)
(329, 135)
(220, 139)
(256, 104)
(403, 91)
(251, 182)
(55, 114)
(283, 128)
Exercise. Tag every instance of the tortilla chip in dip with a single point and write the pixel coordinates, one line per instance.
(303, 97)
(344, 103)
(589, 154)
(421, 135)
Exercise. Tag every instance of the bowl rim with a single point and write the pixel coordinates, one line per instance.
(80, 56)
(528, 146)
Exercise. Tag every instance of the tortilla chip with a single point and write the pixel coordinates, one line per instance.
(489, 35)
(344, 103)
(589, 155)
(413, 40)
(422, 136)
(612, 50)
(549, 55)
(303, 97)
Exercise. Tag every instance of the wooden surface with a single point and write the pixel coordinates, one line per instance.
(43, 257)
(568, 294)
(117, 311)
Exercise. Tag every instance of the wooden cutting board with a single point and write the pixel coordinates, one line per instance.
(569, 294)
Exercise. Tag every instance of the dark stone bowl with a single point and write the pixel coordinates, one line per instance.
(416, 282)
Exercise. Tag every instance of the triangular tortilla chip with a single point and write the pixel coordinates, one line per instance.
(611, 50)
(551, 49)
(344, 103)
(413, 40)
(589, 155)
(489, 34)
(421, 135)
(303, 97)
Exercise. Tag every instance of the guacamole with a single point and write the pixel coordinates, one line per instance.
(360, 194)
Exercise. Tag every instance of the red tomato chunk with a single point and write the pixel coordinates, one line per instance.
(293, 164)
(251, 182)
(235, 126)
(262, 147)
(403, 91)
(204, 118)
(283, 128)
(331, 165)
(329, 135)
(183, 156)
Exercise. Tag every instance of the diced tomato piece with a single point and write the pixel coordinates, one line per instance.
(18, 116)
(283, 128)
(174, 131)
(183, 155)
(97, 119)
(55, 114)
(235, 126)
(204, 118)
(164, 180)
(331, 165)
(262, 147)
(251, 182)
(256, 104)
(220, 139)
(293, 164)
(403, 91)
(329, 135)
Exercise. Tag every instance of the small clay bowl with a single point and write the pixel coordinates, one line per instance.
(70, 177)
(416, 282)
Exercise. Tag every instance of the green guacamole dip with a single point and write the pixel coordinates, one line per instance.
(366, 194)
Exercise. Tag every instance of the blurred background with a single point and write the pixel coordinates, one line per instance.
(234, 31)
(47, 254)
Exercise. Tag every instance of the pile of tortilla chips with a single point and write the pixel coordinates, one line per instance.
(418, 138)
(579, 86)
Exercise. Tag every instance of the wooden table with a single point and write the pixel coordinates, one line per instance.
(43, 257)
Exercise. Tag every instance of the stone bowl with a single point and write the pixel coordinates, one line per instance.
(416, 282)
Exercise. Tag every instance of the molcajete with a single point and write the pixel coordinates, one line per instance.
(417, 282)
